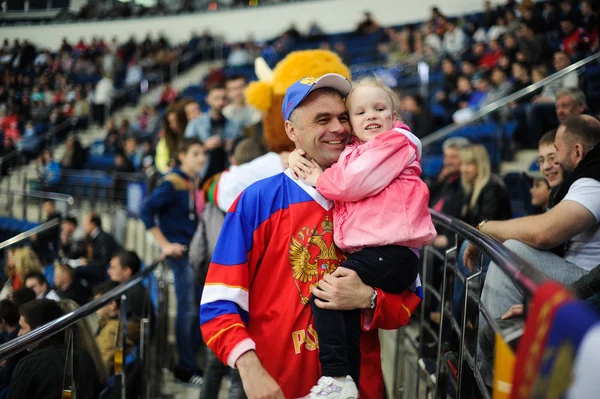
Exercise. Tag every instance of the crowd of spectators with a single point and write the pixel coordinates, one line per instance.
(79, 264)
(40, 90)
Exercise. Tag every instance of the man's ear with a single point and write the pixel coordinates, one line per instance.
(290, 130)
(579, 152)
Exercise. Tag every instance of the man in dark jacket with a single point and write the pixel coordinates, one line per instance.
(40, 373)
(45, 243)
(104, 247)
(9, 328)
(446, 193)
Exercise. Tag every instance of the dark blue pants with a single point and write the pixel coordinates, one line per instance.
(390, 268)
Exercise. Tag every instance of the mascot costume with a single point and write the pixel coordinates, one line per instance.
(391, 311)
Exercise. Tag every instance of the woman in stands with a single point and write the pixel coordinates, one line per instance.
(87, 340)
(173, 127)
(485, 196)
(21, 261)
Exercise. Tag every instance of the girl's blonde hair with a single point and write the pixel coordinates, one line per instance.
(476, 154)
(374, 81)
(25, 261)
(87, 340)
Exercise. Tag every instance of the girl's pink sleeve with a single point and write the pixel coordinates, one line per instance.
(381, 161)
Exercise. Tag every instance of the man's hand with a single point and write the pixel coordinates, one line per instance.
(258, 383)
(299, 165)
(314, 175)
(343, 290)
(33, 237)
(173, 249)
(470, 257)
(515, 310)
(83, 261)
(213, 142)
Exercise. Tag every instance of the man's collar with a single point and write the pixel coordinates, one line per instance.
(95, 233)
(324, 202)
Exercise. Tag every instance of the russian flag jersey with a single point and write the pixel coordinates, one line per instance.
(277, 243)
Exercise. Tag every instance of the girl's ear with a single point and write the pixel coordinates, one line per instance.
(395, 116)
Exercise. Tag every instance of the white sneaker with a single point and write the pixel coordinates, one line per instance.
(330, 388)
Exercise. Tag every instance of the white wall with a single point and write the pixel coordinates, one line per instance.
(264, 23)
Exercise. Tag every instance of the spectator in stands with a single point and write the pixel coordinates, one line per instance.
(20, 262)
(192, 111)
(418, 116)
(75, 155)
(46, 243)
(449, 84)
(173, 125)
(39, 284)
(573, 219)
(123, 266)
(454, 40)
(576, 41)
(167, 96)
(122, 165)
(446, 191)
(67, 231)
(67, 286)
(484, 195)
(9, 321)
(589, 22)
(87, 340)
(431, 39)
(215, 131)
(111, 141)
(103, 96)
(570, 101)
(367, 25)
(9, 330)
(22, 296)
(81, 109)
(540, 190)
(42, 373)
(238, 56)
(173, 205)
(109, 326)
(535, 46)
(501, 87)
(104, 246)
(237, 110)
(50, 171)
(552, 171)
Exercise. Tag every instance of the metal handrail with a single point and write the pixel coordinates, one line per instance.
(43, 332)
(526, 276)
(483, 112)
(39, 194)
(26, 234)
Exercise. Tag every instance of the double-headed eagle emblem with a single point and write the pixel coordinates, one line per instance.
(311, 257)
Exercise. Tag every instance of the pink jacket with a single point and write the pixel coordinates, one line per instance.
(378, 195)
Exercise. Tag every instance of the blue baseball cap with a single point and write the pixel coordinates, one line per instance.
(297, 92)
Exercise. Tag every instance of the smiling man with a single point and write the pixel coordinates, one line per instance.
(573, 223)
(277, 246)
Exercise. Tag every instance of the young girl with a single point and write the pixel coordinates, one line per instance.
(380, 218)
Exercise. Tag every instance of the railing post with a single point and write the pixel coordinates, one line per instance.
(145, 352)
(120, 355)
(445, 320)
(468, 338)
(69, 387)
(163, 318)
